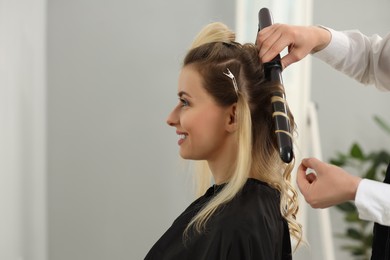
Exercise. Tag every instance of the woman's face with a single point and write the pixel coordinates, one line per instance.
(201, 124)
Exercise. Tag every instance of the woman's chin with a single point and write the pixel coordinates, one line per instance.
(188, 156)
(185, 156)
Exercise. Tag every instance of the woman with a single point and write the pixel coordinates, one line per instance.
(224, 121)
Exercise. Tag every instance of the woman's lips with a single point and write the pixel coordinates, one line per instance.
(182, 137)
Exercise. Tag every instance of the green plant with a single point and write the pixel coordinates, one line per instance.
(370, 166)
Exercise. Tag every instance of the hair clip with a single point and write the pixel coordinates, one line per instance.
(231, 76)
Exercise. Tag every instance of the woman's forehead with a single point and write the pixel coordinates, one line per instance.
(190, 80)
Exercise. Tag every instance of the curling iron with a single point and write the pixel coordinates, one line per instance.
(273, 73)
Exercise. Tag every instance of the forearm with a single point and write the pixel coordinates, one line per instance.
(366, 59)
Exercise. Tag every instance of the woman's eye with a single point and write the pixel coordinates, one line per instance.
(183, 102)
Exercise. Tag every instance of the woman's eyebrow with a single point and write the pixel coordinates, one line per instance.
(181, 93)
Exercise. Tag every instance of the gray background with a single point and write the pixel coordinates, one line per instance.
(115, 181)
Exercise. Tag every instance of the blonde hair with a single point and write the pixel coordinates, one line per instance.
(214, 32)
(213, 50)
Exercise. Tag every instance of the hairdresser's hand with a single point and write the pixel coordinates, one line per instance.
(300, 40)
(331, 186)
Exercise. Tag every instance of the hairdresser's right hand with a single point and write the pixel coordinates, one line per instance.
(300, 40)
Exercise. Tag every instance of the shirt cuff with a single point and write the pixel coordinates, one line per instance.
(372, 201)
(337, 48)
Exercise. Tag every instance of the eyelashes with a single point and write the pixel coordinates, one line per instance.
(184, 102)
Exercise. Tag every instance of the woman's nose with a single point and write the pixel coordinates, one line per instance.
(172, 119)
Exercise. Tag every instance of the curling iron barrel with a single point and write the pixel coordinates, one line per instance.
(273, 72)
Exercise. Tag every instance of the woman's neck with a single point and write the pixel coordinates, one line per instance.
(224, 165)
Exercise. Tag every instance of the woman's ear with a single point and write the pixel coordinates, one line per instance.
(231, 122)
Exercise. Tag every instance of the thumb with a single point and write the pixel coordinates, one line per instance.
(286, 61)
(294, 55)
(302, 181)
(311, 163)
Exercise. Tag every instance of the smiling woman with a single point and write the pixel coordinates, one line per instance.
(224, 121)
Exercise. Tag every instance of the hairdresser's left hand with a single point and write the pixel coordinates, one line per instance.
(331, 185)
(300, 40)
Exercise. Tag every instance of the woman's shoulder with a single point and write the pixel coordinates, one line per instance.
(255, 190)
(255, 209)
(256, 201)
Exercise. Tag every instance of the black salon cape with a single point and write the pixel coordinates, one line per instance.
(381, 239)
(248, 227)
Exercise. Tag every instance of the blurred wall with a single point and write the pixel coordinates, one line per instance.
(22, 130)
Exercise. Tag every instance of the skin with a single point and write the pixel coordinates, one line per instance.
(209, 128)
(329, 186)
(300, 41)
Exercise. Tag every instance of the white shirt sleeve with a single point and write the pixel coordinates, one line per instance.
(366, 59)
(373, 201)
